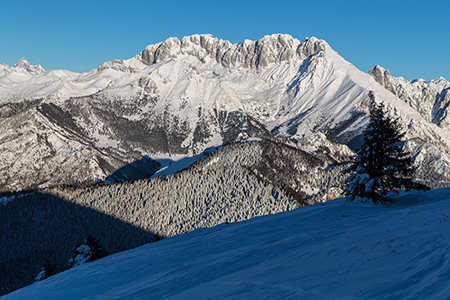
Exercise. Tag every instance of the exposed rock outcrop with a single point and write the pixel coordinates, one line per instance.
(430, 99)
(248, 54)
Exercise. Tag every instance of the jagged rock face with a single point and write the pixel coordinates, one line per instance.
(182, 97)
(248, 54)
(4, 68)
(441, 108)
(430, 99)
(149, 85)
(384, 78)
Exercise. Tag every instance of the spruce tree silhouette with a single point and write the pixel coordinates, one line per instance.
(382, 165)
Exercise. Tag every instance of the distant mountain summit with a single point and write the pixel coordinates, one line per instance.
(180, 97)
(22, 66)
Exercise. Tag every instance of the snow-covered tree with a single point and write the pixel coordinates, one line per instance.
(91, 250)
(47, 270)
(381, 166)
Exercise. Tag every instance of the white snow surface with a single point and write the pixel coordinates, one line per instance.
(175, 163)
(334, 250)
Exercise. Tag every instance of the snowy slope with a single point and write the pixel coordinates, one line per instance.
(335, 250)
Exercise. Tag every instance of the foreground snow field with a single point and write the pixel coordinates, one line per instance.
(335, 250)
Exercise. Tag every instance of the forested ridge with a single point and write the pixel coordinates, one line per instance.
(237, 182)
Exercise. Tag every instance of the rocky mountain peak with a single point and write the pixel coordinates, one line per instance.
(24, 66)
(202, 92)
(384, 78)
(247, 54)
(440, 84)
(310, 46)
(431, 99)
(22, 63)
(380, 74)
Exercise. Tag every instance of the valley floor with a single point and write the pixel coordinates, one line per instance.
(335, 250)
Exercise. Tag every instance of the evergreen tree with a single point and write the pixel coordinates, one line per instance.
(47, 270)
(381, 166)
(91, 250)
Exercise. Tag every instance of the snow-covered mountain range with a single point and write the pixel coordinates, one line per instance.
(271, 124)
(182, 97)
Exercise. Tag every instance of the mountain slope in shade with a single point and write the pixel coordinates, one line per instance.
(335, 250)
(182, 97)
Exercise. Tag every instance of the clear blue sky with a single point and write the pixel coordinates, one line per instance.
(411, 38)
